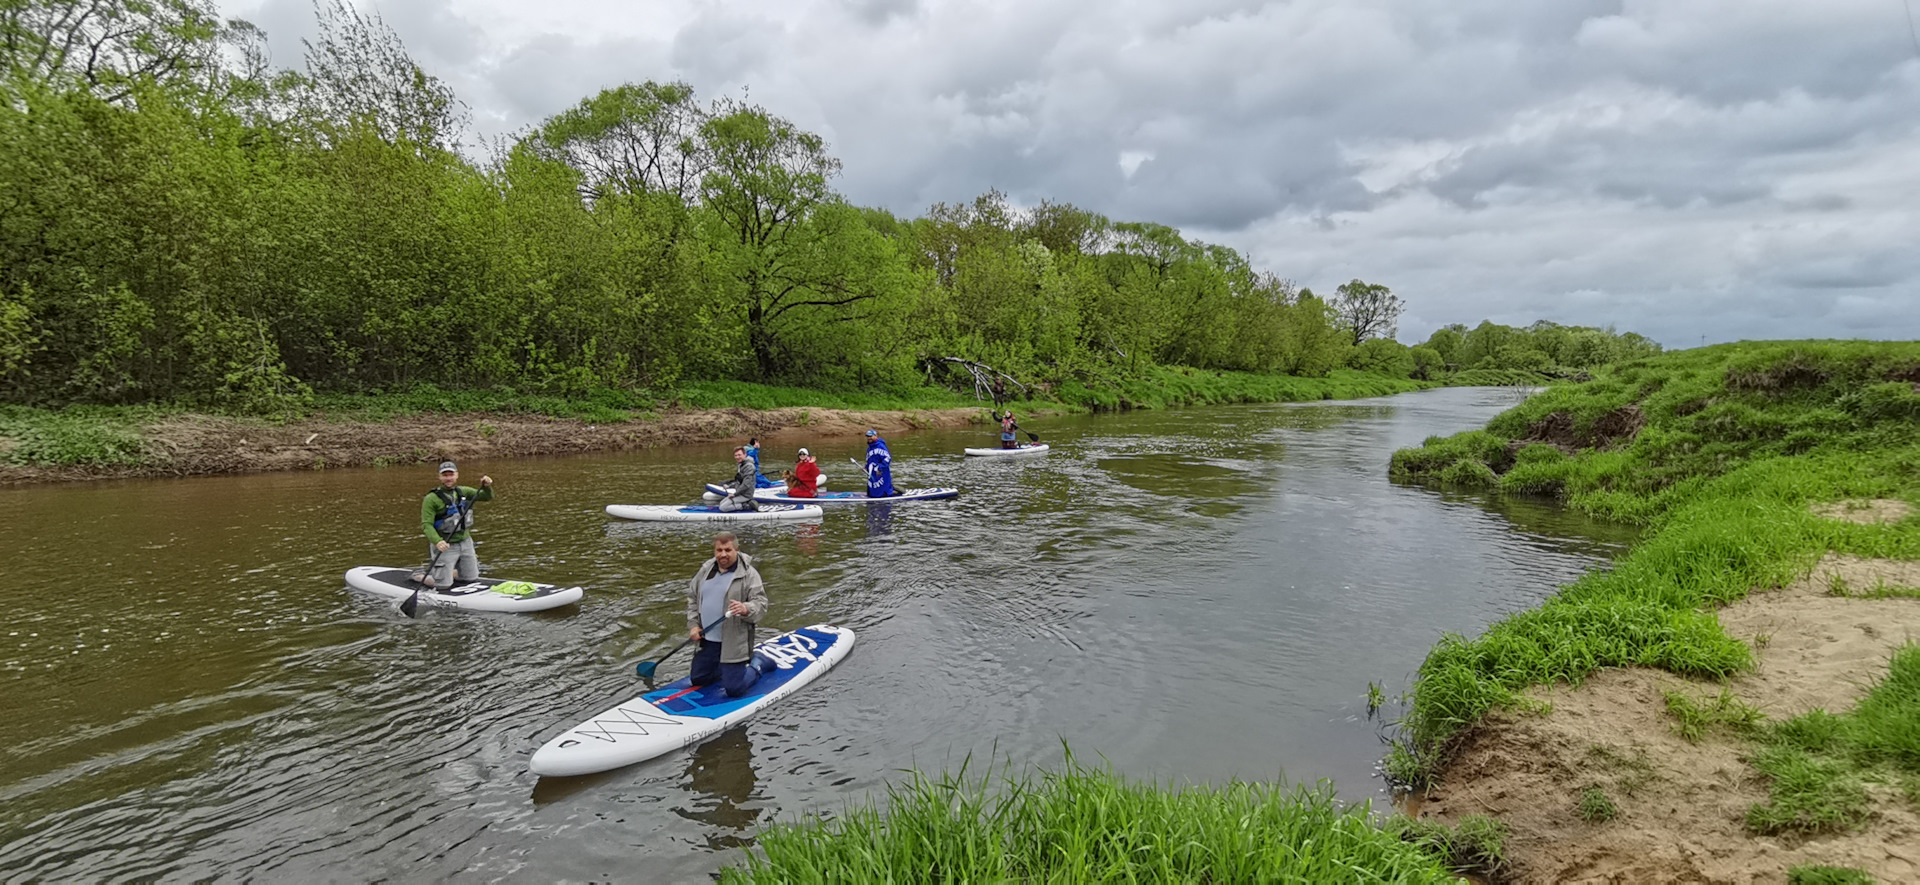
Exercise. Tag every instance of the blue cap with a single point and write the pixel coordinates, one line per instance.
(873, 433)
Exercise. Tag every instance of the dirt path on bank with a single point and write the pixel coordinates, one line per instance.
(202, 445)
(1682, 806)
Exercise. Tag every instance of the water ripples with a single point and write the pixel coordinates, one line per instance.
(1193, 595)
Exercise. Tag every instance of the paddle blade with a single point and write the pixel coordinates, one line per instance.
(645, 669)
(412, 604)
(1033, 436)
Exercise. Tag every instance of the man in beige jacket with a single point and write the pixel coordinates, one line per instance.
(727, 591)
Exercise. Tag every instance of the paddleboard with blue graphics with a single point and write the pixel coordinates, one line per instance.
(484, 594)
(679, 715)
(1024, 449)
(824, 498)
(716, 491)
(712, 513)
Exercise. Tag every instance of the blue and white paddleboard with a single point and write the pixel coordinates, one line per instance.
(765, 497)
(710, 513)
(679, 715)
(1024, 449)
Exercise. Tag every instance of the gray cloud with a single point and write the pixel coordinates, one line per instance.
(1719, 167)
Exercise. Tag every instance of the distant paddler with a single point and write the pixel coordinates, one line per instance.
(803, 481)
(740, 491)
(879, 467)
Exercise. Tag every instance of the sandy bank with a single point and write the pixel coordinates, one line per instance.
(1682, 805)
(202, 445)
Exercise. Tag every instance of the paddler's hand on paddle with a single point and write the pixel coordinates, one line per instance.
(486, 481)
(738, 609)
(440, 546)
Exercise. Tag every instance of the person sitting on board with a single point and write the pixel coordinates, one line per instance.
(741, 489)
(446, 518)
(727, 589)
(760, 480)
(803, 481)
(879, 467)
(1008, 440)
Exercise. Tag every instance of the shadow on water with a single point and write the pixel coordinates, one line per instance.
(1195, 595)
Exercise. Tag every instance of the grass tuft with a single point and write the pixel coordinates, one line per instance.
(1813, 874)
(1595, 807)
(1693, 718)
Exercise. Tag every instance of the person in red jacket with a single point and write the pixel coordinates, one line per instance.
(803, 481)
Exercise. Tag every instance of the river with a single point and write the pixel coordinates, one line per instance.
(190, 692)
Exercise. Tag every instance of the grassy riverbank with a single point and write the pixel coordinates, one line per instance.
(1080, 824)
(1737, 458)
(427, 423)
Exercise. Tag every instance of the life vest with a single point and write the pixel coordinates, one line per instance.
(458, 515)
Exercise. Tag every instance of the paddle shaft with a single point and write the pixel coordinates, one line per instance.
(645, 668)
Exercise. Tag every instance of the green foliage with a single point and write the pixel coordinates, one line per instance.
(1079, 824)
(82, 435)
(1719, 451)
(1491, 353)
(1817, 763)
(1383, 356)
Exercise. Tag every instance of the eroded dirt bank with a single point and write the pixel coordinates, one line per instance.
(200, 445)
(1682, 805)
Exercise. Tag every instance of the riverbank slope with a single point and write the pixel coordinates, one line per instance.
(1739, 697)
(429, 425)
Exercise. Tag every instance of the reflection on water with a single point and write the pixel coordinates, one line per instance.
(720, 774)
(188, 691)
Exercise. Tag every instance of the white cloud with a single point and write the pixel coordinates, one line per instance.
(1728, 168)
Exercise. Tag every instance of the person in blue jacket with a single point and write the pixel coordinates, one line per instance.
(760, 480)
(879, 467)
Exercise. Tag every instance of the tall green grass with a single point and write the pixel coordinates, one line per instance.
(1080, 824)
(1737, 442)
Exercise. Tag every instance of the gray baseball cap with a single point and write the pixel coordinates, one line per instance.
(447, 467)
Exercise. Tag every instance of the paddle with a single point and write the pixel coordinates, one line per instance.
(419, 583)
(645, 668)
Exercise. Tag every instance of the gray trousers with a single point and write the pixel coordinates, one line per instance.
(737, 501)
(462, 553)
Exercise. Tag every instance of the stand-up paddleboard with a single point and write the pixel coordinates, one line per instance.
(679, 715)
(484, 594)
(1024, 449)
(763, 496)
(709, 513)
(716, 491)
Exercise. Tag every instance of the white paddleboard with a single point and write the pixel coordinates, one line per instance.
(1024, 449)
(476, 595)
(716, 491)
(710, 513)
(680, 715)
(858, 497)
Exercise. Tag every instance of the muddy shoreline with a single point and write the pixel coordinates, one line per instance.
(201, 445)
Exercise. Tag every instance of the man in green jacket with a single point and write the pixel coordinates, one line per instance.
(446, 517)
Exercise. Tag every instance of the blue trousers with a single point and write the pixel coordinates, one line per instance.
(735, 679)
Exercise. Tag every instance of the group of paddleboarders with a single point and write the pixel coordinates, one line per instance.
(803, 481)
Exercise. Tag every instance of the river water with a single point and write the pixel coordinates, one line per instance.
(189, 691)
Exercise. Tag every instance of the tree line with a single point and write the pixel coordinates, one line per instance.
(180, 221)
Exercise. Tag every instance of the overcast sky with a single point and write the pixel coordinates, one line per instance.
(1681, 168)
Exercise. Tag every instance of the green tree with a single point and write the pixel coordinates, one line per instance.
(1368, 310)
